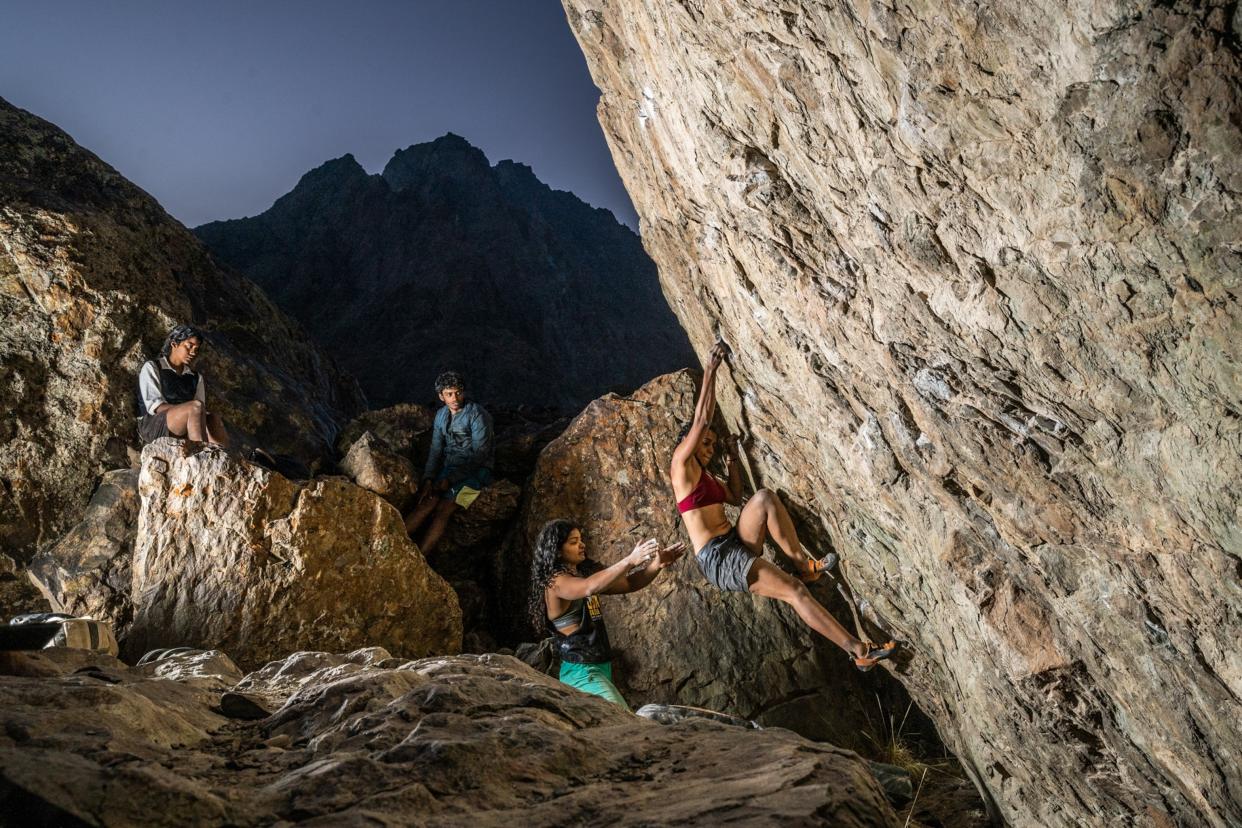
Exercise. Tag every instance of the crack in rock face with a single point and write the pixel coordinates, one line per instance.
(979, 267)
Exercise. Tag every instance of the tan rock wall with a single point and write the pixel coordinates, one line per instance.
(979, 265)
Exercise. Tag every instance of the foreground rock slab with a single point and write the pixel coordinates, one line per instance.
(234, 557)
(979, 267)
(467, 740)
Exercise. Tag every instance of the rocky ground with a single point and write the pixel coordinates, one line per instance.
(365, 738)
(979, 267)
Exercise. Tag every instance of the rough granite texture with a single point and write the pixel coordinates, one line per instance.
(93, 274)
(979, 265)
(365, 739)
(234, 557)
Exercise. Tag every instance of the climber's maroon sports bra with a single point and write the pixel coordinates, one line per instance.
(706, 492)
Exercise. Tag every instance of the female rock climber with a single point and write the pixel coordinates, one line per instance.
(731, 557)
(172, 397)
(564, 594)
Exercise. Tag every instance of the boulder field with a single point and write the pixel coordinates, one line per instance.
(979, 268)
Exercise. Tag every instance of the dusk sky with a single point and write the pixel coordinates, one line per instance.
(217, 109)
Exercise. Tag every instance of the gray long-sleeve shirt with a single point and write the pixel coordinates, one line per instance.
(460, 445)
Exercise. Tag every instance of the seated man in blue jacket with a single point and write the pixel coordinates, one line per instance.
(459, 463)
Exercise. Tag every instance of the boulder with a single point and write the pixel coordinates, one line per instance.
(456, 741)
(679, 640)
(373, 466)
(93, 274)
(87, 572)
(979, 267)
(234, 557)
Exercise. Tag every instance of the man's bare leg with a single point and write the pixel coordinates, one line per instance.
(422, 510)
(444, 512)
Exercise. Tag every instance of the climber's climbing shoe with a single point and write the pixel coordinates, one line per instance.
(875, 654)
(817, 568)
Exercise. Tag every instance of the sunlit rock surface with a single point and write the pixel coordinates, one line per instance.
(365, 738)
(234, 557)
(93, 274)
(979, 266)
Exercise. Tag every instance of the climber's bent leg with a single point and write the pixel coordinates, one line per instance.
(770, 581)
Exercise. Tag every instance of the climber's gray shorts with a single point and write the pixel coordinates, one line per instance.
(726, 562)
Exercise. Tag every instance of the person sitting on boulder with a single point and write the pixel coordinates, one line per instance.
(459, 464)
(565, 586)
(172, 396)
(731, 557)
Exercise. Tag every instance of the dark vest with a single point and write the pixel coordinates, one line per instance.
(589, 644)
(174, 388)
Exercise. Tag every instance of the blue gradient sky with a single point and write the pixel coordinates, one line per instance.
(218, 108)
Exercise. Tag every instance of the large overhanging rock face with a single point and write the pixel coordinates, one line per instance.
(93, 273)
(234, 557)
(979, 266)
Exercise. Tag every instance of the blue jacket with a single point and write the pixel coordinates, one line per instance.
(460, 445)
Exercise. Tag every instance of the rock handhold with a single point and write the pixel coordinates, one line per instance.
(234, 557)
(211, 669)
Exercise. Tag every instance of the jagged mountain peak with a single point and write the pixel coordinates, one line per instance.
(448, 155)
(452, 262)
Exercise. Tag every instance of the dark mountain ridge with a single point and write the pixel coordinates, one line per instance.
(445, 261)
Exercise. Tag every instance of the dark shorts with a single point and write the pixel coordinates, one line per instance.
(465, 492)
(726, 562)
(152, 427)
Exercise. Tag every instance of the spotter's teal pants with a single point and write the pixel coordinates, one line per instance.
(595, 679)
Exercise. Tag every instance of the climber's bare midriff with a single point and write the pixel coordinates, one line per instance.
(706, 523)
